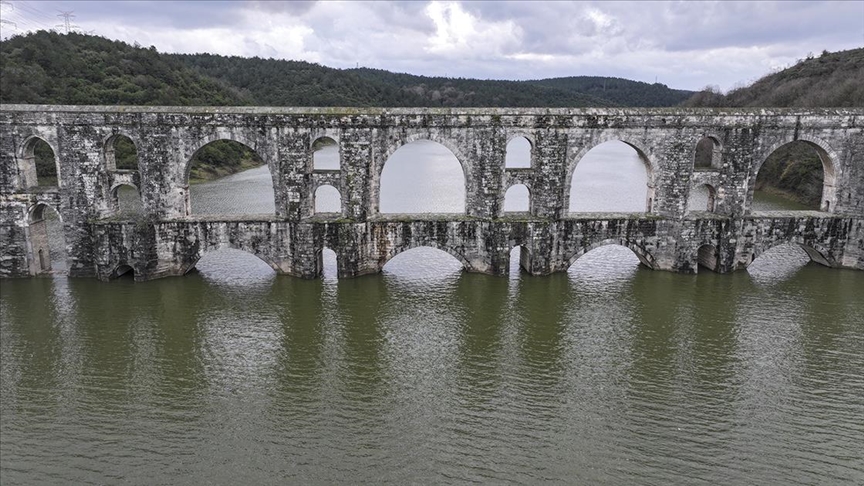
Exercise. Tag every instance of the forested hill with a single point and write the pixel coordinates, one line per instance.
(829, 80)
(52, 68)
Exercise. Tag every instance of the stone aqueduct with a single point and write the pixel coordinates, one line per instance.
(169, 239)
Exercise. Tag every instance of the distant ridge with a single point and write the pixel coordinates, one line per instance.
(78, 69)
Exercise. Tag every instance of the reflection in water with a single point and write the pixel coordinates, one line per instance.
(610, 373)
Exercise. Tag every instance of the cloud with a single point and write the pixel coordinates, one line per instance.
(459, 33)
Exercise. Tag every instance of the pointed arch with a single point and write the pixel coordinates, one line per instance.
(252, 143)
(118, 204)
(29, 153)
(119, 143)
(188, 266)
(378, 181)
(650, 168)
(702, 197)
(817, 253)
(830, 170)
(708, 153)
(43, 249)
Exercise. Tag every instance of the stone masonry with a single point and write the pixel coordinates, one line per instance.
(169, 240)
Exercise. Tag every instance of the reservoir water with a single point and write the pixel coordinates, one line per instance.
(608, 374)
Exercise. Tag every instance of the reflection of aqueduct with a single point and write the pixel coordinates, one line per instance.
(169, 240)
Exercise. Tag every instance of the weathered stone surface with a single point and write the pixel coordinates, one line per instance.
(168, 241)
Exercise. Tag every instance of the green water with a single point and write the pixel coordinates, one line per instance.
(608, 374)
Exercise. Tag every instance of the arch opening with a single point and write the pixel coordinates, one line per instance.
(798, 175)
(122, 271)
(607, 261)
(120, 153)
(231, 265)
(518, 154)
(126, 202)
(611, 177)
(228, 177)
(327, 264)
(784, 259)
(517, 199)
(40, 167)
(423, 262)
(47, 241)
(422, 177)
(702, 198)
(325, 154)
(327, 199)
(708, 257)
(707, 154)
(518, 261)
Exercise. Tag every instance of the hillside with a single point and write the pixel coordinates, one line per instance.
(77, 69)
(622, 92)
(830, 80)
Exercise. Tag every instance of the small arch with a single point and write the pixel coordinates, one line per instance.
(327, 199)
(703, 197)
(126, 201)
(47, 240)
(325, 154)
(120, 153)
(428, 258)
(39, 165)
(518, 153)
(602, 167)
(422, 176)
(327, 264)
(642, 255)
(519, 260)
(707, 154)
(794, 168)
(122, 270)
(517, 199)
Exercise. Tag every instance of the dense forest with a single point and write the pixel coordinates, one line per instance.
(830, 80)
(52, 68)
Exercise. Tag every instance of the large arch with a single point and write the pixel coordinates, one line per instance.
(240, 141)
(378, 180)
(650, 168)
(830, 170)
(27, 163)
(39, 236)
(645, 258)
(816, 253)
(397, 250)
(188, 266)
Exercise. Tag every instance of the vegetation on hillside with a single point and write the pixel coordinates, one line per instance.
(795, 172)
(830, 80)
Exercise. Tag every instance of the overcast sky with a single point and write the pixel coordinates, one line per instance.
(682, 44)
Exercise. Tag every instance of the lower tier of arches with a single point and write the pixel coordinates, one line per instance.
(108, 249)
